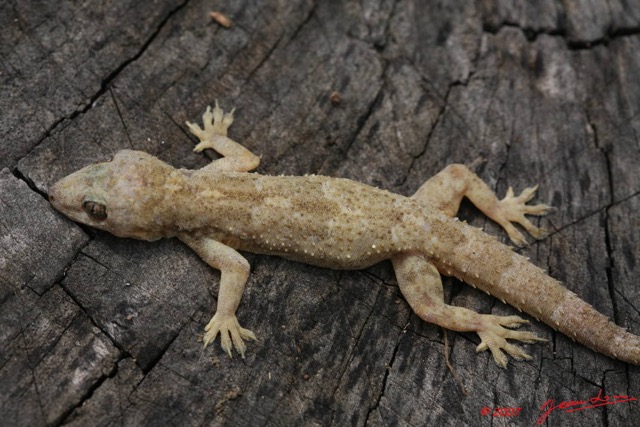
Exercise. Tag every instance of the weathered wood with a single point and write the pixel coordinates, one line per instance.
(100, 330)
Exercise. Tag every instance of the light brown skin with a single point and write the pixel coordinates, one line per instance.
(340, 224)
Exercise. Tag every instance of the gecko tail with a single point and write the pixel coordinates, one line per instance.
(580, 321)
(482, 262)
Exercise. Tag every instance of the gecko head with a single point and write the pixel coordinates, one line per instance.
(124, 196)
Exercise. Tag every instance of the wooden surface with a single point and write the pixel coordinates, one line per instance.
(96, 330)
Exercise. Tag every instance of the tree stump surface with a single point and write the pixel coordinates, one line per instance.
(96, 330)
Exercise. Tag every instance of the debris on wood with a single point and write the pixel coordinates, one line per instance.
(230, 395)
(221, 19)
(335, 97)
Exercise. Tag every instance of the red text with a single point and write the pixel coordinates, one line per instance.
(579, 405)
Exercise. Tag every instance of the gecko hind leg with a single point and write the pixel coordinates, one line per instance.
(446, 190)
(421, 285)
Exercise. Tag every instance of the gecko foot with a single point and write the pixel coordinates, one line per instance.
(494, 337)
(514, 208)
(230, 331)
(216, 123)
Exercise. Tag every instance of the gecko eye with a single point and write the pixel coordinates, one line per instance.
(95, 210)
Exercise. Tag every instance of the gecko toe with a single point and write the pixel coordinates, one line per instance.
(528, 337)
(211, 330)
(538, 210)
(238, 343)
(510, 321)
(516, 352)
(246, 334)
(225, 343)
(495, 348)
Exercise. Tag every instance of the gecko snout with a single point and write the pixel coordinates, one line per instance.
(58, 198)
(52, 193)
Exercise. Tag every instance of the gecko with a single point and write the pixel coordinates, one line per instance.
(221, 209)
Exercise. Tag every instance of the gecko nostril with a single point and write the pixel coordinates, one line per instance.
(52, 193)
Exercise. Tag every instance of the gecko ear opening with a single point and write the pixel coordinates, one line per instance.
(95, 210)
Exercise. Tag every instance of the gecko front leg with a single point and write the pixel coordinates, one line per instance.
(234, 271)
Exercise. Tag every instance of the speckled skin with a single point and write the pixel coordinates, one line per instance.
(340, 224)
